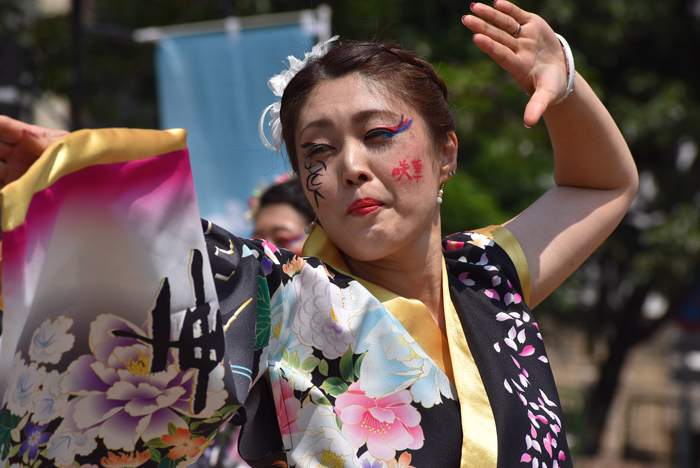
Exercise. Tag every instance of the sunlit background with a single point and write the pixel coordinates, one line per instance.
(623, 334)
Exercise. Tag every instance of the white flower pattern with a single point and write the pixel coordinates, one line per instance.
(51, 340)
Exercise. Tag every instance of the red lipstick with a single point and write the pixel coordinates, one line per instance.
(364, 206)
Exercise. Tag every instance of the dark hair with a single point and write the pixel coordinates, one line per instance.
(291, 193)
(405, 75)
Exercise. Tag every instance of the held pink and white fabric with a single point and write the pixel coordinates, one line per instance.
(112, 345)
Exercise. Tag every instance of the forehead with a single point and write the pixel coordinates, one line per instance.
(342, 98)
(278, 215)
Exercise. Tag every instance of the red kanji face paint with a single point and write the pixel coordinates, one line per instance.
(406, 171)
(399, 172)
(417, 169)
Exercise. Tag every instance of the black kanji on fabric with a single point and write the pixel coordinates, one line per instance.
(198, 347)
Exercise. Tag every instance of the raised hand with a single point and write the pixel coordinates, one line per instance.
(20, 145)
(526, 47)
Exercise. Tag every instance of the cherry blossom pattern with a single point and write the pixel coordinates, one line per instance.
(545, 423)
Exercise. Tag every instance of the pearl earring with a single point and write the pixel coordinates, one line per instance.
(310, 227)
(440, 192)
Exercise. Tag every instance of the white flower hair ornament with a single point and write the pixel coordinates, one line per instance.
(277, 84)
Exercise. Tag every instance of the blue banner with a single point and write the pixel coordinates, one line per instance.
(215, 86)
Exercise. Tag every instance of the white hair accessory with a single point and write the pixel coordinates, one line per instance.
(277, 84)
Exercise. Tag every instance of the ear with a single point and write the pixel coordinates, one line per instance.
(449, 155)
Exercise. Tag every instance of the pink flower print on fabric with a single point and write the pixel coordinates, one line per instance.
(385, 424)
(114, 389)
(286, 405)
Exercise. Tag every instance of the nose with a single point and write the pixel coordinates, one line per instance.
(356, 170)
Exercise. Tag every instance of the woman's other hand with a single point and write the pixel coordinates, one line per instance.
(20, 145)
(533, 56)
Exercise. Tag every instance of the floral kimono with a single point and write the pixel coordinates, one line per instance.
(134, 333)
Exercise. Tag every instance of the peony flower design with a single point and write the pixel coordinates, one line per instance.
(183, 444)
(51, 340)
(325, 442)
(385, 424)
(394, 362)
(315, 321)
(116, 391)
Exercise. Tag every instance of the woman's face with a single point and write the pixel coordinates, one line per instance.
(369, 168)
(282, 225)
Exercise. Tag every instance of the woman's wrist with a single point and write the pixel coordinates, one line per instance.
(570, 68)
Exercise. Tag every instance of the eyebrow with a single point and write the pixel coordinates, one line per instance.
(356, 119)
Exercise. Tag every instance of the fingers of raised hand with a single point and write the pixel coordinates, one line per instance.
(500, 31)
(502, 26)
(500, 53)
(479, 26)
(508, 9)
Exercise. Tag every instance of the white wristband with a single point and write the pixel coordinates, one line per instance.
(570, 70)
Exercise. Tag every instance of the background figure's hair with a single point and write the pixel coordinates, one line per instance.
(291, 193)
(404, 75)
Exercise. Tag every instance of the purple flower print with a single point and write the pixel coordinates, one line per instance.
(35, 438)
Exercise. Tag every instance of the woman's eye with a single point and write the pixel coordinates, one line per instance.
(379, 133)
(314, 149)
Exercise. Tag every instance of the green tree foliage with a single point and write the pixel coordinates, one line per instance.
(639, 55)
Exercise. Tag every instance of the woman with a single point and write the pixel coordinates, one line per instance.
(386, 346)
(280, 215)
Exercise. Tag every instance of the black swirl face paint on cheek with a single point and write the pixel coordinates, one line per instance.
(312, 183)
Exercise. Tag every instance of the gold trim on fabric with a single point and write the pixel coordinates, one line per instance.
(77, 151)
(503, 237)
(479, 438)
(413, 315)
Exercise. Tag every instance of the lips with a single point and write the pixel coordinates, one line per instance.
(364, 206)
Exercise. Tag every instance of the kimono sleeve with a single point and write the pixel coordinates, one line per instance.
(114, 348)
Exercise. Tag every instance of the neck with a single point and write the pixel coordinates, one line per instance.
(413, 272)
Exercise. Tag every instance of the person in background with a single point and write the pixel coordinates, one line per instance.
(281, 213)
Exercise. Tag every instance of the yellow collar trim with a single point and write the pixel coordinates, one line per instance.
(479, 438)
